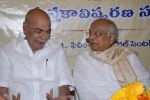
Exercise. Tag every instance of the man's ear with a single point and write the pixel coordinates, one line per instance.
(113, 38)
(87, 40)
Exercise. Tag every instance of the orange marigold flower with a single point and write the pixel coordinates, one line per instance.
(119, 95)
(134, 90)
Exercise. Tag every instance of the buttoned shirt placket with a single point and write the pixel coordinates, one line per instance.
(35, 77)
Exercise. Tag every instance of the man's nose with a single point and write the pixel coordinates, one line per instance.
(43, 36)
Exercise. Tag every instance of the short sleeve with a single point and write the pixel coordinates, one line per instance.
(64, 72)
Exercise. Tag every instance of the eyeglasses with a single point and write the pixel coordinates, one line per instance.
(97, 34)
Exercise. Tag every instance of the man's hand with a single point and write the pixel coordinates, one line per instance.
(4, 93)
(64, 90)
(50, 97)
(16, 97)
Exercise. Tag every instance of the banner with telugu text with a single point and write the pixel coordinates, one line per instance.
(71, 20)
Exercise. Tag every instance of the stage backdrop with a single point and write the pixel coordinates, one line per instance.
(71, 19)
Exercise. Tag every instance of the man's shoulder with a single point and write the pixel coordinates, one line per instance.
(8, 45)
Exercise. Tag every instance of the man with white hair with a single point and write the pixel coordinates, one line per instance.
(106, 67)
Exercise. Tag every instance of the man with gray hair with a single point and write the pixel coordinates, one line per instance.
(106, 67)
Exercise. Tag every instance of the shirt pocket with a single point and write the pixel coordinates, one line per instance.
(49, 70)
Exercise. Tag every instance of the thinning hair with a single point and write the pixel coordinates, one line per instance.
(112, 28)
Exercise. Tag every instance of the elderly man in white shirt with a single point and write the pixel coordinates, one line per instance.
(106, 67)
(32, 65)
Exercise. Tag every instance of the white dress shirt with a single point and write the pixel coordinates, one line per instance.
(95, 80)
(33, 75)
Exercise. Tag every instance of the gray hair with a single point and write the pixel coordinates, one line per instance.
(112, 28)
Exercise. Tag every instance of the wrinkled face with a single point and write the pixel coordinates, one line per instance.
(100, 38)
(37, 31)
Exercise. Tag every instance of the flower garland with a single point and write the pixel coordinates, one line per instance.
(133, 91)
